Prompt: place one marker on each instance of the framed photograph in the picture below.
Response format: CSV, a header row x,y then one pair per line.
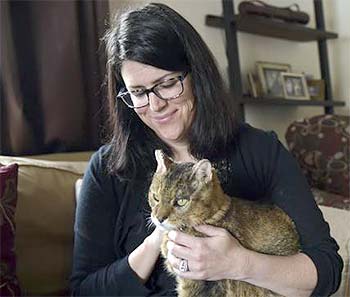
x,y
270,77
294,86
316,88
253,85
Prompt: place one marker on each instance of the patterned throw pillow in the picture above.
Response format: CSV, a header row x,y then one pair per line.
x,y
321,144
331,199
8,200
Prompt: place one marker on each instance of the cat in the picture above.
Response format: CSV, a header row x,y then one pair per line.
x,y
184,195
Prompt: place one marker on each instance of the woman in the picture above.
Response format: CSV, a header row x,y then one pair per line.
x,y
166,92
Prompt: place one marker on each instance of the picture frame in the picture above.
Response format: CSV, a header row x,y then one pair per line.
x,y
316,88
294,86
269,74
253,85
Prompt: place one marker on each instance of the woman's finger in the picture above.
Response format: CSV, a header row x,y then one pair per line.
x,y
182,238
176,263
180,251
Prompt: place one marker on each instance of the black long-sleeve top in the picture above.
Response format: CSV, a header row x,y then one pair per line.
x,y
111,217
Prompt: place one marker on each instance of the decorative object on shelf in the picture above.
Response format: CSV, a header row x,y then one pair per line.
x,y
233,23
294,86
270,77
254,85
290,13
316,88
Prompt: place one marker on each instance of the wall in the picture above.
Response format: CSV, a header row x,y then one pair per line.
x,y
302,56
338,20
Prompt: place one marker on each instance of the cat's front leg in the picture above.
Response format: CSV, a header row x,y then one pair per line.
x,y
164,251
163,246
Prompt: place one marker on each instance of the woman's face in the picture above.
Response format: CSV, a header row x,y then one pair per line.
x,y
169,119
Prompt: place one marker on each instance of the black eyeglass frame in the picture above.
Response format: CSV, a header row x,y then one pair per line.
x,y
181,78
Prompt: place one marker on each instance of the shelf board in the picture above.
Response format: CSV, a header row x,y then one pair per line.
x,y
272,28
295,102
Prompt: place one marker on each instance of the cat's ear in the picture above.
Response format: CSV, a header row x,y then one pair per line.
x,y
163,162
202,171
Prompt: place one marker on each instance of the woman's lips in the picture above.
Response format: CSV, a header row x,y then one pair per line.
x,y
162,119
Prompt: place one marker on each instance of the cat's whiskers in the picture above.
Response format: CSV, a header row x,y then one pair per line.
x,y
149,223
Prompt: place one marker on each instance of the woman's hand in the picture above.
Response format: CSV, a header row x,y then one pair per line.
x,y
154,240
217,256
144,257
221,256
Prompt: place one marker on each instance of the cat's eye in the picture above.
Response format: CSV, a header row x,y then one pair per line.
x,y
181,202
155,198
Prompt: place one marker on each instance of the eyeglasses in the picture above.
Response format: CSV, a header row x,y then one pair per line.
x,y
167,89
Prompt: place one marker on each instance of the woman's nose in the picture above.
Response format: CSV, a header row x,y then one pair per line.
x,y
155,103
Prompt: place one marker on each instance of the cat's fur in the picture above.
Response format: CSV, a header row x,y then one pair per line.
x,y
262,228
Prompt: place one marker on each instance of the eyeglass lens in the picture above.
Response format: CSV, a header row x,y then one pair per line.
x,y
169,89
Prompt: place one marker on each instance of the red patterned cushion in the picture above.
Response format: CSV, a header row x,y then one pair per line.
x,y
321,145
8,200
330,199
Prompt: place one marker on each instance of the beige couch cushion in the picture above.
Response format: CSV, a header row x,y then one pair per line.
x,y
45,218
339,220
66,157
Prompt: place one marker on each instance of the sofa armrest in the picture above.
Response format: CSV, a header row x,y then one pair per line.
x,y
44,218
338,220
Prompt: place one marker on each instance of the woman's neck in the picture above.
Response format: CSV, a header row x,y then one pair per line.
x,y
183,157
181,152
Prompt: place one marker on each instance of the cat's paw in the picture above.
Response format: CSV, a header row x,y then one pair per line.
x,y
164,251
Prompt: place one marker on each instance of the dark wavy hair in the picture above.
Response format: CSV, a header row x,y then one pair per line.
x,y
157,35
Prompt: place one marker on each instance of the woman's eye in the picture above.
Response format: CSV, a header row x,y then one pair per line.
x,y
137,93
181,202
168,84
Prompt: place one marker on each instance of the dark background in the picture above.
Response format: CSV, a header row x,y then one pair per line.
x,y
52,70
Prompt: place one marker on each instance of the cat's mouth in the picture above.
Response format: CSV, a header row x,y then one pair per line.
x,y
164,226
169,227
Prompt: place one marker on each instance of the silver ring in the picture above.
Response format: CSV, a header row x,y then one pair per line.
x,y
183,267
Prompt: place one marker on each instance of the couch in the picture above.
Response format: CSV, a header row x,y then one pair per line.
x,y
44,219
321,145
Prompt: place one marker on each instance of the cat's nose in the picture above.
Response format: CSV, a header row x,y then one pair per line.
x,y
161,220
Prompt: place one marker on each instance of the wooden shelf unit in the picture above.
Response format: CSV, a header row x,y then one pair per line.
x,y
232,23
292,102
272,28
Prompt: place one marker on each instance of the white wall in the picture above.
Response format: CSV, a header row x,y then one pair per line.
x,y
302,56
338,20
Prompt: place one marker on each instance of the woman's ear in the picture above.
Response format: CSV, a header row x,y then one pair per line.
x,y
163,162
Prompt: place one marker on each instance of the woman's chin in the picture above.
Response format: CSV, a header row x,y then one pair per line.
x,y
171,137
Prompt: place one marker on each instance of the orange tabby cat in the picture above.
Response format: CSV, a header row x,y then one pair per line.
x,y
183,195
